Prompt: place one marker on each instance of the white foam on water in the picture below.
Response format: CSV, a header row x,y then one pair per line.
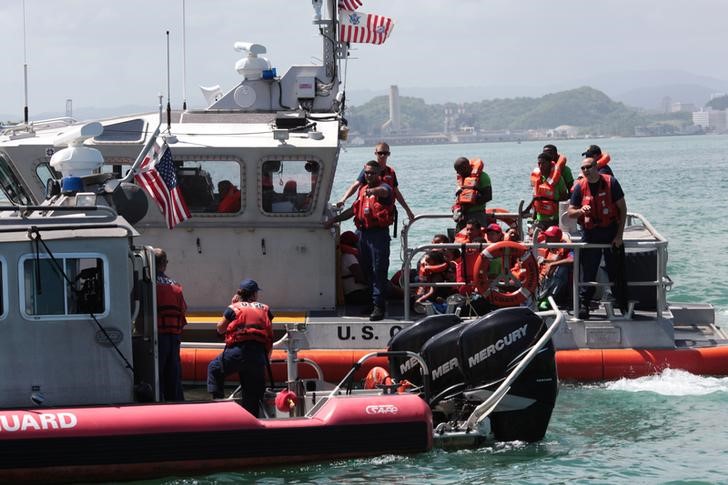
x,y
672,382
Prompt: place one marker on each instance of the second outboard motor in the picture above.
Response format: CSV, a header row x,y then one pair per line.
x,y
491,348
413,338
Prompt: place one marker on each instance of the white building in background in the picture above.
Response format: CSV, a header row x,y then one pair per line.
x,y
679,107
714,120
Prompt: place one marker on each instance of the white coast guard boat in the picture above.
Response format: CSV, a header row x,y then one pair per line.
x,y
79,390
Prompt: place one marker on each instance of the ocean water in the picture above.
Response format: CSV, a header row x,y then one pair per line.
x,y
668,428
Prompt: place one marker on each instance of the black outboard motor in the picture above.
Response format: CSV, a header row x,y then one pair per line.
x,y
491,347
413,338
468,361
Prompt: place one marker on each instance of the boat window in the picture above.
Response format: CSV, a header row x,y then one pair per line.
x,y
47,292
10,186
210,185
3,289
288,186
45,173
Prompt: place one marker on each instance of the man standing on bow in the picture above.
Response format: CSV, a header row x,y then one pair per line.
x,y
597,201
373,213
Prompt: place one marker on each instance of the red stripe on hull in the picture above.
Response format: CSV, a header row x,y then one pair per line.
x,y
579,365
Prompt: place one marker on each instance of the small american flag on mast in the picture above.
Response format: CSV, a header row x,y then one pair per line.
x,y
363,27
349,4
158,177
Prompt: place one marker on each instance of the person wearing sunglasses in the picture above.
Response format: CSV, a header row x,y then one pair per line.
x,y
597,201
373,213
388,176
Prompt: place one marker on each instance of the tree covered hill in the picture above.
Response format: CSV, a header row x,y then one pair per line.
x,y
587,108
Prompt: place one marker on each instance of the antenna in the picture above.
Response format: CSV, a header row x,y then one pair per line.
x,y
169,105
25,69
184,57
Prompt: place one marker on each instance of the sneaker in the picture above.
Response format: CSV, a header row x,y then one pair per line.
x,y
583,311
377,314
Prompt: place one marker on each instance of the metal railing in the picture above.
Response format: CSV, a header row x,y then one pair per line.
x,y
654,241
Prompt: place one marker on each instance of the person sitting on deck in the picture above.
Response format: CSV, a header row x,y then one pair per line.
x,y
555,269
353,281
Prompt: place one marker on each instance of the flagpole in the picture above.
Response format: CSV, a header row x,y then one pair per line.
x,y
142,154
169,105
184,57
25,69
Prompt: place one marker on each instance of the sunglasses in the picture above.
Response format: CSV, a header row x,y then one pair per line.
x,y
587,167
369,173
383,153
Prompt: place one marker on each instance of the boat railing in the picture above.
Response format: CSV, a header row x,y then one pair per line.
x,y
655,241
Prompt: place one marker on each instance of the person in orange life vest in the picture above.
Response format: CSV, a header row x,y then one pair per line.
x,y
555,267
548,189
373,213
248,330
566,172
229,197
171,309
434,269
602,160
388,176
471,233
474,191
598,202
353,281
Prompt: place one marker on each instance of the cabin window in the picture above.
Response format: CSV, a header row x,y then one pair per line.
x,y
288,186
45,173
68,285
3,288
131,131
211,185
10,188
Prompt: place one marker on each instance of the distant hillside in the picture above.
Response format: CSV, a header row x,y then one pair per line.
x,y
587,108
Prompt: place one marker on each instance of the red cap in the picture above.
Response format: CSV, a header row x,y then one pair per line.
x,y
553,231
494,227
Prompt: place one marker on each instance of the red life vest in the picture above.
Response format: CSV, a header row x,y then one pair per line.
x,y
469,194
171,308
251,323
603,209
369,213
388,176
547,255
231,201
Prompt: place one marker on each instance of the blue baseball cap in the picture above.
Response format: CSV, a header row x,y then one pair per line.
x,y
249,285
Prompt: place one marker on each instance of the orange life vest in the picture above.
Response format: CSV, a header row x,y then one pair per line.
x,y
547,255
388,176
251,323
604,211
544,190
469,194
231,201
171,308
370,213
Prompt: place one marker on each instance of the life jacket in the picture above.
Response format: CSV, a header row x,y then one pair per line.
x,y
231,201
251,323
546,255
603,209
468,186
369,213
544,190
536,172
426,270
464,270
346,249
388,176
171,308
462,236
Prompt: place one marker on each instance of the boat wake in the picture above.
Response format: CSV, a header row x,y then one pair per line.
x,y
672,382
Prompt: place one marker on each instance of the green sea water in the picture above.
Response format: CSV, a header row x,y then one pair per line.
x,y
669,428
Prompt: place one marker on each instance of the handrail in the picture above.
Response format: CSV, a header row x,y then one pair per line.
x,y
486,407
661,282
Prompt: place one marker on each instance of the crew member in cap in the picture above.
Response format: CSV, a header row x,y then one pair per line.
x,y
597,201
593,151
246,325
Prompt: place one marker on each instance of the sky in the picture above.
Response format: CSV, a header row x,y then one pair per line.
x,y
107,53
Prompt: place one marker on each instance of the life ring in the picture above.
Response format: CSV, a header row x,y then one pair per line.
x,y
523,275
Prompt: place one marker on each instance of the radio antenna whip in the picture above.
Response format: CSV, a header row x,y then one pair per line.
x,y
169,105
25,69
184,57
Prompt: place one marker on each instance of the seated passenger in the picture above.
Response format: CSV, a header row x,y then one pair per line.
x,y
353,281
555,269
471,233
434,269
229,197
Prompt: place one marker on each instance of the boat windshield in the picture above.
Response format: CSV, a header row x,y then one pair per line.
x,y
11,191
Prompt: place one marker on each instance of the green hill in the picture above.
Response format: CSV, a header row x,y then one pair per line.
x,y
589,109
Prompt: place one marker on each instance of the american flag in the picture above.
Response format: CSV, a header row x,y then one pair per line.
x,y
349,4
157,176
363,27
